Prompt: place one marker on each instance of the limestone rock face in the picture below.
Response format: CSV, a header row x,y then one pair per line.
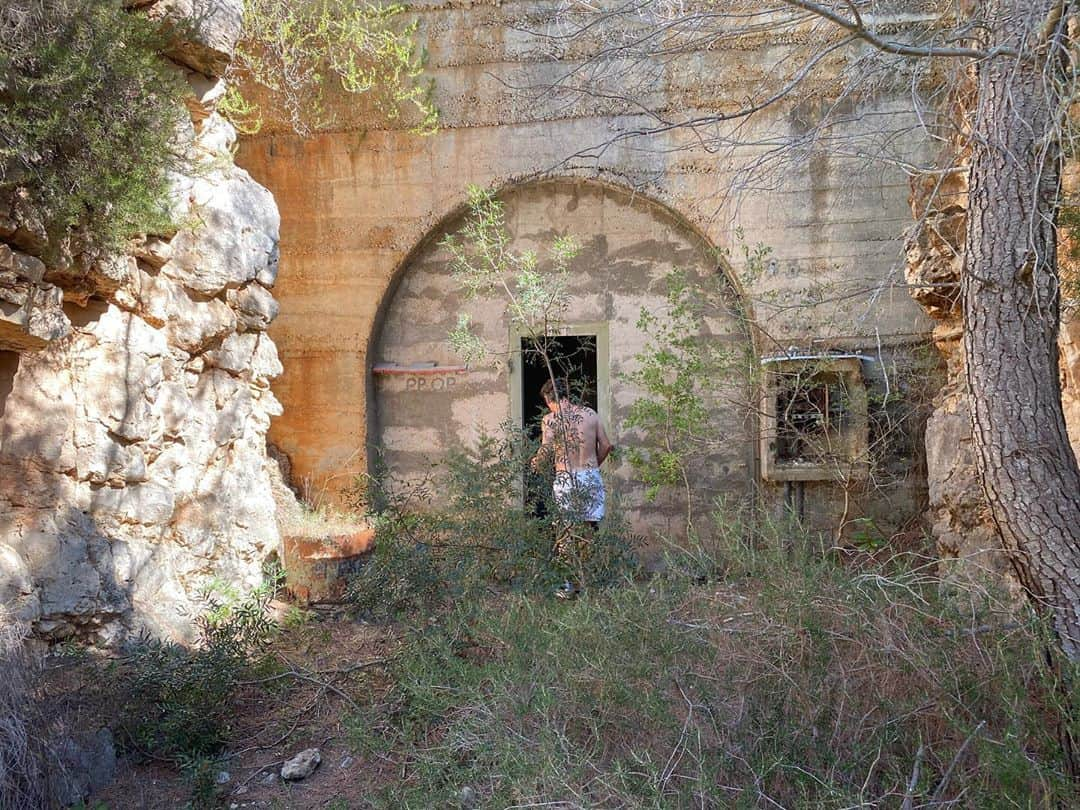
x,y
207,31
19,224
31,315
17,590
236,243
31,311
255,307
85,762
1069,343
135,400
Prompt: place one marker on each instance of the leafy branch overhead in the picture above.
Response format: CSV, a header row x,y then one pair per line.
x,y
535,290
91,109
292,56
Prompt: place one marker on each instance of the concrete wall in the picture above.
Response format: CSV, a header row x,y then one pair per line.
x,y
356,203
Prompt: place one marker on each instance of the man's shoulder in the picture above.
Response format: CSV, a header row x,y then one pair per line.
x,y
589,416
576,413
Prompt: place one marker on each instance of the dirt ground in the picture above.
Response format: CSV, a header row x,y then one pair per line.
x,y
274,721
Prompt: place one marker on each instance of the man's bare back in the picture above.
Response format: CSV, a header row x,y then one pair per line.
x,y
576,436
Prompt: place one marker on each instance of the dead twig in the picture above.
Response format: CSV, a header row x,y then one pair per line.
x,y
262,768
916,771
328,686
294,671
944,783
300,715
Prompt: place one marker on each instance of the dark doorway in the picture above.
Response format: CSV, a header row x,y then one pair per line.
x,y
572,357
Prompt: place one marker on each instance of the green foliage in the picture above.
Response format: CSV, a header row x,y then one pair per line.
x,y
679,373
822,686
534,291
89,106
178,703
463,529
401,575
294,52
200,772
88,110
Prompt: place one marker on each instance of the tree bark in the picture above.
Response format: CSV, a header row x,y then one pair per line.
x,y
1011,314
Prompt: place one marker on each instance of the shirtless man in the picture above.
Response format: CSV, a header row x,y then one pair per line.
x,y
576,438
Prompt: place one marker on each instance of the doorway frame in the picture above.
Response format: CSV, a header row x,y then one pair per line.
x,y
601,331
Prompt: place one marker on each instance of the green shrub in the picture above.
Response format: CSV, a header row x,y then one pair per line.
x,y
89,106
200,773
466,527
88,111
687,378
179,698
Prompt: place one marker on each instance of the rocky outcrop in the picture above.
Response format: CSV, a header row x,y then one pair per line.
x,y
1069,342
134,392
959,515
31,311
206,30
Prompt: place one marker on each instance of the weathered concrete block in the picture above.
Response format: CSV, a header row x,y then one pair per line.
x,y
318,568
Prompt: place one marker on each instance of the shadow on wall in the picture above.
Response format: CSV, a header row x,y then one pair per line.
x,y
9,365
422,402
56,566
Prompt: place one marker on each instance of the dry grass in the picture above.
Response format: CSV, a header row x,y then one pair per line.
x,y
325,522
745,676
296,517
787,681
22,772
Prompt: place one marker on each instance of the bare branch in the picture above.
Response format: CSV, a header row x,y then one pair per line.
x,y
860,31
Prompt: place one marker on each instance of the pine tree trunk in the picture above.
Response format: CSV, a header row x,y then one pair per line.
x,y
1011,311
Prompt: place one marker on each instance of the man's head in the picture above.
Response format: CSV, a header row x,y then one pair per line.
x,y
554,392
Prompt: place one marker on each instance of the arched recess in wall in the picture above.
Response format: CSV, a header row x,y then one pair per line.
x,y
422,402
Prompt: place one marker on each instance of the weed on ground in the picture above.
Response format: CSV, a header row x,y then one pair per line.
x,y
806,685
752,672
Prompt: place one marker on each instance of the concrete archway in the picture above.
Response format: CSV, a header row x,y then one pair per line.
x,y
421,402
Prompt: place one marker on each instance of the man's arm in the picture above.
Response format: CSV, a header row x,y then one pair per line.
x,y
603,444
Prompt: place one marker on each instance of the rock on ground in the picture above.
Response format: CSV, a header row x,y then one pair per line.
x,y
301,766
81,764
